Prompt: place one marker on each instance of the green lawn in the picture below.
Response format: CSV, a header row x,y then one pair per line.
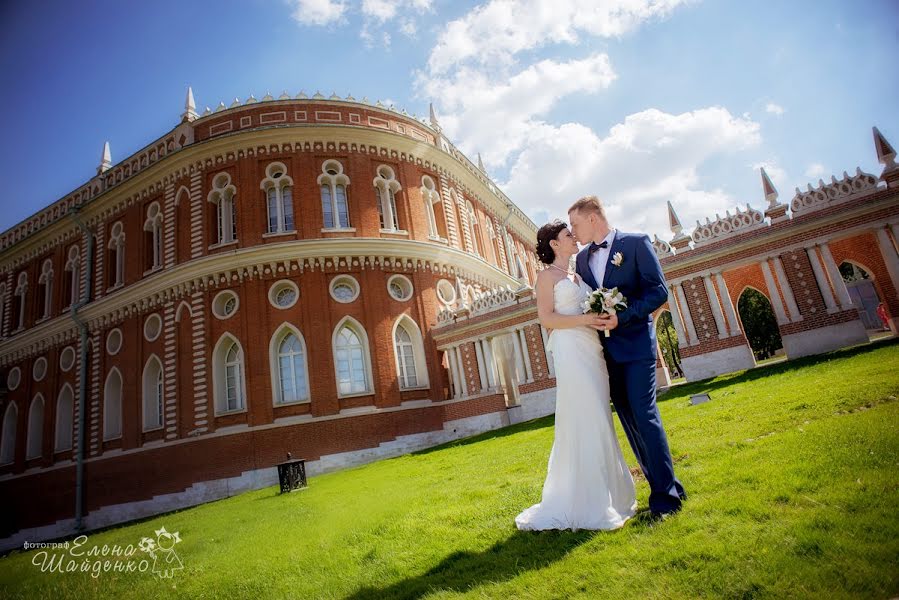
x,y
792,471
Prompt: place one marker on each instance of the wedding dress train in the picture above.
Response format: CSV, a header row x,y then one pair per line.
x,y
588,484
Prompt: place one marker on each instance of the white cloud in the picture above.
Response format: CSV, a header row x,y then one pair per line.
x,y
494,32
318,12
815,171
472,104
777,173
774,109
649,158
385,10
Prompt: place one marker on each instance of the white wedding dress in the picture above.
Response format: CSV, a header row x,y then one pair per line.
x,y
588,484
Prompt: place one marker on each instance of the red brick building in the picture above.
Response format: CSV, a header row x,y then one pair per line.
x,y
262,279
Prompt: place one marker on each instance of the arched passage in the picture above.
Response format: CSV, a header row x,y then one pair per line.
x,y
759,323
667,337
863,292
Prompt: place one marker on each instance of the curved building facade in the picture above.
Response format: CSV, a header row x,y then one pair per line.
x,y
262,279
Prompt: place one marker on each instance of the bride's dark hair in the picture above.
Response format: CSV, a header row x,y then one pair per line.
x,y
545,235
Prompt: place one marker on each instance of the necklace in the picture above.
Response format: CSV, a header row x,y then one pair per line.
x,y
566,271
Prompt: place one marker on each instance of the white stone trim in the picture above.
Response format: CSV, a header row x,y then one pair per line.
x,y
774,295
728,305
786,288
716,307
821,280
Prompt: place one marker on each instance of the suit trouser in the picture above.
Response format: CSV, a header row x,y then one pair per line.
x,y
633,391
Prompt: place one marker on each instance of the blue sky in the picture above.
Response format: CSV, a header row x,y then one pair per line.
x,y
638,101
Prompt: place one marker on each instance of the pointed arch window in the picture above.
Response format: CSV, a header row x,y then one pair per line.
x,y
386,188
333,185
222,196
278,188
45,280
20,294
290,371
8,441
152,394
112,406
474,231
153,229
73,277
35,439
431,197
228,373
116,248
3,299
411,369
351,359
65,406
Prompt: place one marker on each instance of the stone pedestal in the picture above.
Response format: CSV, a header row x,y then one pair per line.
x,y
717,362
824,339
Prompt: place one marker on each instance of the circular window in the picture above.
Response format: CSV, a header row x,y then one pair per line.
x,y
39,369
446,292
67,358
152,327
14,378
283,294
400,287
225,304
344,288
114,341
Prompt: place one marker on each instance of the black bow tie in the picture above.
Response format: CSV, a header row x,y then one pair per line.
x,y
594,246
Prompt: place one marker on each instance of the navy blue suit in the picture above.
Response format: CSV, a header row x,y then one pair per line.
x,y
630,352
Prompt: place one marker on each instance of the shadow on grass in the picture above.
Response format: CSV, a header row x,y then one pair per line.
x,y
749,375
462,571
531,425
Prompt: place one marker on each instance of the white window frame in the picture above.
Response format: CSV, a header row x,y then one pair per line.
x,y
222,196
277,184
220,369
357,328
153,224
152,395
333,182
386,187
416,345
302,396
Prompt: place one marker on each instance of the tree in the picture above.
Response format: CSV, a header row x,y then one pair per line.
x,y
667,337
759,324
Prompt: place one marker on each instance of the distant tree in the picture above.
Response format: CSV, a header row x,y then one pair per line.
x,y
759,324
667,337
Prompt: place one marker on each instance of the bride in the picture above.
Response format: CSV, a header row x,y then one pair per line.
x,y
588,484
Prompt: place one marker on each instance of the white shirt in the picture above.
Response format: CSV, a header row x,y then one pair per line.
x,y
599,259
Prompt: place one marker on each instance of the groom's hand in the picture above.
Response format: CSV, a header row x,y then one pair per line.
x,y
609,322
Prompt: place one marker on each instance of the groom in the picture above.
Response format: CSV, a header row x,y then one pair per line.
x,y
627,261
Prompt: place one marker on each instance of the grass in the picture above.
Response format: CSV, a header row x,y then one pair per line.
x,y
792,471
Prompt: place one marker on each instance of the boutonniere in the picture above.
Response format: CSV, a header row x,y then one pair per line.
x,y
617,259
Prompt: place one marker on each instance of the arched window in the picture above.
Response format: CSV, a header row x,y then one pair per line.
x,y
35,428
45,280
65,406
153,229
112,406
2,309
386,188
474,230
228,373
333,183
73,280
279,198
431,197
152,394
410,357
351,358
116,264
290,376
20,293
456,215
8,442
222,196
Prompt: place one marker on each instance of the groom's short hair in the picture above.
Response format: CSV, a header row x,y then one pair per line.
x,y
590,204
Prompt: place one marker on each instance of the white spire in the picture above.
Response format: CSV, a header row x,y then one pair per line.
x,y
481,164
673,222
106,161
190,107
768,188
433,117
885,153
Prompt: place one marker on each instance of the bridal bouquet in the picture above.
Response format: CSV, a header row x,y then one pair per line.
x,y
605,301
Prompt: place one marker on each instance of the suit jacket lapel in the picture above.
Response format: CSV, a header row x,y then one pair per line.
x,y
616,243
583,259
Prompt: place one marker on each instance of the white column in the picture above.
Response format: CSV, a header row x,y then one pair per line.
x,y
776,304
836,279
728,305
786,289
519,361
829,302
675,318
492,375
482,370
688,318
890,258
461,369
895,229
550,367
451,371
526,355
716,306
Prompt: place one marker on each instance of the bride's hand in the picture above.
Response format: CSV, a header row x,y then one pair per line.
x,y
595,321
